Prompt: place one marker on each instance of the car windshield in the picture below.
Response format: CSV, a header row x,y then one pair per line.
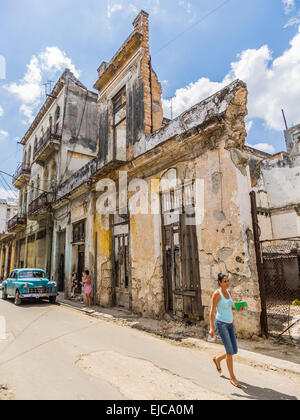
x,y
31,274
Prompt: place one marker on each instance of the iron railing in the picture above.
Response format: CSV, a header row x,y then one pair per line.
x,y
16,220
50,134
42,202
23,168
281,268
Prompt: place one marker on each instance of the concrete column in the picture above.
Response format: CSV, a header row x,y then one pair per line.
x,y
49,239
90,242
6,260
1,261
13,254
26,252
68,259
54,255
17,254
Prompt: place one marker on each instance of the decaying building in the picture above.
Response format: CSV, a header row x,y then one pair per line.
x,y
8,209
155,209
276,181
60,140
155,259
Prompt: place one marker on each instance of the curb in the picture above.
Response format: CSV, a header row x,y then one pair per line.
x,y
245,357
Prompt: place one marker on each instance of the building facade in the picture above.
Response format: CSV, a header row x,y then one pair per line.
x,y
8,210
61,139
154,209
125,223
276,180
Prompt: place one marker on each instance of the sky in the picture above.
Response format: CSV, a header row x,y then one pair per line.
x,y
197,48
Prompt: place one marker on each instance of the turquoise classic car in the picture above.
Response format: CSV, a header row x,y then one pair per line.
x,y
29,283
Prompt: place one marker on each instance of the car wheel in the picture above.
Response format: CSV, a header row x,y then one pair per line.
x,y
18,300
4,295
52,299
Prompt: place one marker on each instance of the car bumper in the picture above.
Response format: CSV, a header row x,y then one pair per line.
x,y
37,295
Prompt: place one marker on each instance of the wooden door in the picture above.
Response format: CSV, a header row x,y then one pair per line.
x,y
191,290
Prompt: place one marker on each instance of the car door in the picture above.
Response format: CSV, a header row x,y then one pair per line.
x,y
9,283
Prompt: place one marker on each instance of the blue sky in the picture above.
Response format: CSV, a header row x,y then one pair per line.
x,y
257,40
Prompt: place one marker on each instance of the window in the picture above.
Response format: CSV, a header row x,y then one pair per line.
x,y
57,120
32,275
29,156
79,232
119,125
50,124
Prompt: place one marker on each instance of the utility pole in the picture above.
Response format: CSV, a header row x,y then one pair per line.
x,y
284,118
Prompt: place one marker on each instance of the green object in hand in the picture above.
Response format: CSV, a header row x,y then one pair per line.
x,y
239,305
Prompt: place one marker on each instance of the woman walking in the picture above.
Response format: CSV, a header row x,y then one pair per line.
x,y
88,288
222,322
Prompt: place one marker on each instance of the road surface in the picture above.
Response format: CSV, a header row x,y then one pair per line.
x,y
53,353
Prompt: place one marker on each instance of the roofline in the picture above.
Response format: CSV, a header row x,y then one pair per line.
x,y
51,99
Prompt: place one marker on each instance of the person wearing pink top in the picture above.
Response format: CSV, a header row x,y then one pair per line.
x,y
88,288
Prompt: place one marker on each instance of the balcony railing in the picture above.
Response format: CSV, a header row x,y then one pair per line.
x,y
16,221
22,172
40,203
50,134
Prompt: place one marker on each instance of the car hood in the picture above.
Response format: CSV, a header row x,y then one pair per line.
x,y
35,282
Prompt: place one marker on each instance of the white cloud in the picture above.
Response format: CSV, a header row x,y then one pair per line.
x,y
29,90
264,147
186,5
3,135
112,8
273,84
249,126
293,21
1,111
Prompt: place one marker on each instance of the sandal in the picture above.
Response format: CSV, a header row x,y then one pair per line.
x,y
235,384
218,368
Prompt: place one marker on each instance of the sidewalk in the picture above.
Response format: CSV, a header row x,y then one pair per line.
x,y
265,354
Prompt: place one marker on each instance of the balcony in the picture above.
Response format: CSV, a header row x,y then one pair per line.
x,y
22,175
49,143
40,208
16,224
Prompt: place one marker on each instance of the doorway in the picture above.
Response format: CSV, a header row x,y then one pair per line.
x,y
61,254
181,264
80,267
121,255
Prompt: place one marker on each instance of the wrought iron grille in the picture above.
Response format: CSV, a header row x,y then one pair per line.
x,y
281,266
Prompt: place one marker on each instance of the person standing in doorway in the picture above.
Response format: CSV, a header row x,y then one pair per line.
x,y
88,288
221,321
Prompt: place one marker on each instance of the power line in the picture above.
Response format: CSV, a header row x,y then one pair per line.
x,y
11,176
192,26
6,188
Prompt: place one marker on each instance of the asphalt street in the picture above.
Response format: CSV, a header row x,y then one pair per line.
x,y
54,353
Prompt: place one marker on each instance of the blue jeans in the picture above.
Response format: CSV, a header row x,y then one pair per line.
x,y
228,337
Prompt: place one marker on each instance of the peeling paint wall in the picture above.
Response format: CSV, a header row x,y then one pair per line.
x,y
204,143
277,184
131,69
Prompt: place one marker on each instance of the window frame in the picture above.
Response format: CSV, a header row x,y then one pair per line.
x,y
115,110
